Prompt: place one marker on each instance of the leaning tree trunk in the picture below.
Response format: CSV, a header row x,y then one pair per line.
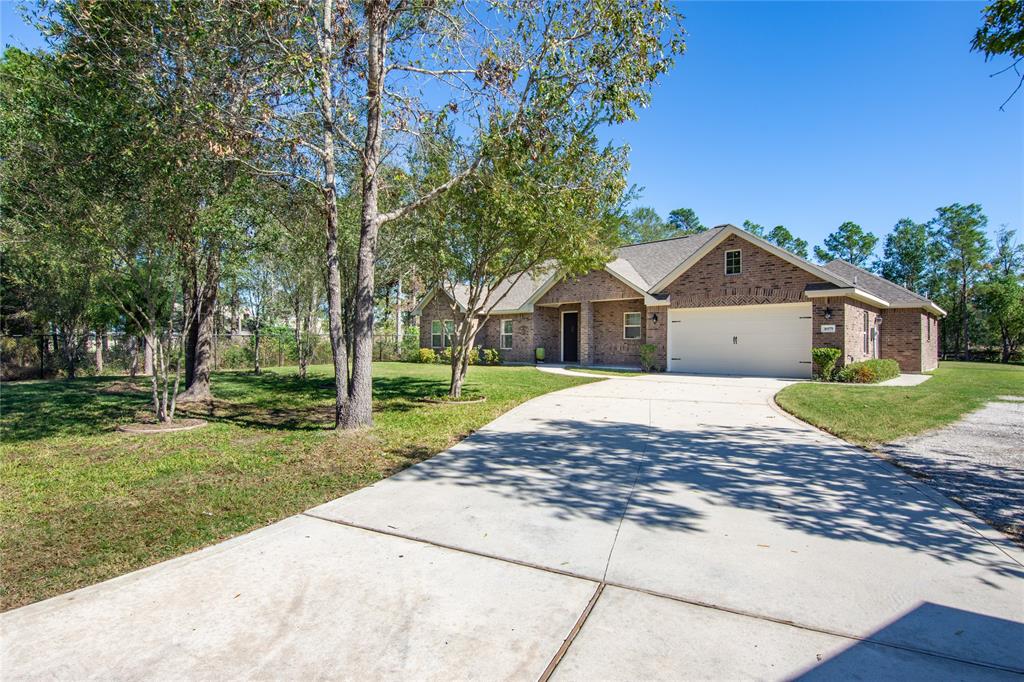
x,y
360,408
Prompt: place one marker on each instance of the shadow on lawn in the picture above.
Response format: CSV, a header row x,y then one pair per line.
x,y
588,470
94,405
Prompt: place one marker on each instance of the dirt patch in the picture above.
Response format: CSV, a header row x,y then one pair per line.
x,y
142,428
449,401
978,461
120,388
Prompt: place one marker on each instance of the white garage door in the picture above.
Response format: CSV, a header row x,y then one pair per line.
x,y
753,340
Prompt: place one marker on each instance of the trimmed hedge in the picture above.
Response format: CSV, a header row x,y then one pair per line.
x,y
426,356
868,372
825,360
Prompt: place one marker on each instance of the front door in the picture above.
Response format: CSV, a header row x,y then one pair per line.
x,y
570,337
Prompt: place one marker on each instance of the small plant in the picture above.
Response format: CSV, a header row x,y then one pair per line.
x,y
474,356
825,360
425,356
445,356
490,356
647,352
868,372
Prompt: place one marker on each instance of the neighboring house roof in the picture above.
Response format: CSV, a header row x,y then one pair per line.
x,y
897,296
649,267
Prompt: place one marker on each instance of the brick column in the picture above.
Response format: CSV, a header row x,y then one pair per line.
x,y
586,333
657,334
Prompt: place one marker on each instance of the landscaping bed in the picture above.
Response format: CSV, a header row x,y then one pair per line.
x,y
82,502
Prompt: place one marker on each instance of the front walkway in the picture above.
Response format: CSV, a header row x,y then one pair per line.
x,y
653,527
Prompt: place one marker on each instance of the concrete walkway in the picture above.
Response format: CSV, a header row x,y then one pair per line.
x,y
660,527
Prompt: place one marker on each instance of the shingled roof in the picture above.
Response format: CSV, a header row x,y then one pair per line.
x,y
897,296
646,264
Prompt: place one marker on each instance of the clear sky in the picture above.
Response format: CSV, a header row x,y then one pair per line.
x,y
808,114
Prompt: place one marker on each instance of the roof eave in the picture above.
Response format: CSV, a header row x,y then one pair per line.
x,y
849,292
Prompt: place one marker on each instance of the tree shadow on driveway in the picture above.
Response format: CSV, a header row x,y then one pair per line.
x,y
578,469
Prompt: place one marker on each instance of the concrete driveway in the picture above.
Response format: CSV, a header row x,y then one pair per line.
x,y
662,527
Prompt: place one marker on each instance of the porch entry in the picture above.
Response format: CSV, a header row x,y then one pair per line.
x,y
570,336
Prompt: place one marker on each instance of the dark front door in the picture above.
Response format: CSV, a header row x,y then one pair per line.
x,y
571,337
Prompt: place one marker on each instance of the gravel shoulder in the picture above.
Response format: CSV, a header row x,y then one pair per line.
x,y
978,461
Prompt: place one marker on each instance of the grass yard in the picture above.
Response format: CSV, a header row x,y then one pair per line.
x,y
871,415
82,503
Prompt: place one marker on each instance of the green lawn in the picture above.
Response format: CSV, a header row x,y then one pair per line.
x,y
868,416
82,503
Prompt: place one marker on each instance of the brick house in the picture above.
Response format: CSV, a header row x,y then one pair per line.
x,y
723,301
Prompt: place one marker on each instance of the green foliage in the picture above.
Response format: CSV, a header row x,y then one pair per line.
x,y
647,351
825,360
426,356
778,235
849,243
1002,33
643,224
868,372
685,222
905,256
490,356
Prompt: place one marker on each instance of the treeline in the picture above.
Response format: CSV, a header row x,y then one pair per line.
x,y
948,259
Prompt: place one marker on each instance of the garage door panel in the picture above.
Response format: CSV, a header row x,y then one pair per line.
x,y
759,340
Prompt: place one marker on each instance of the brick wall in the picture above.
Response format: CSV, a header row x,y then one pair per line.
x,y
596,285
439,308
765,278
547,329
836,339
522,337
657,334
905,339
854,331
609,346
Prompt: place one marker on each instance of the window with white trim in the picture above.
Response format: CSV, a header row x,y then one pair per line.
x,y
505,342
631,323
449,332
435,333
733,262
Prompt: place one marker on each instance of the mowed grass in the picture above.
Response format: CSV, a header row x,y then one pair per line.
x,y
82,503
872,415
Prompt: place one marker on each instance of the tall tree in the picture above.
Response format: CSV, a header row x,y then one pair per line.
x,y
1002,33
850,243
778,235
643,224
1000,296
960,232
905,256
685,222
530,210
783,238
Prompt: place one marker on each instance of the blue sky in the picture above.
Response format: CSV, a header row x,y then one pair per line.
x,y
808,114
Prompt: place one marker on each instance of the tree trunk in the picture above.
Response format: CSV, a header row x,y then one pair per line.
x,y
147,361
338,350
964,350
398,320
360,408
197,386
98,352
256,349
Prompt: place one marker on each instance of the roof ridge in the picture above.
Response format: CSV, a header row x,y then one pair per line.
x,y
670,239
